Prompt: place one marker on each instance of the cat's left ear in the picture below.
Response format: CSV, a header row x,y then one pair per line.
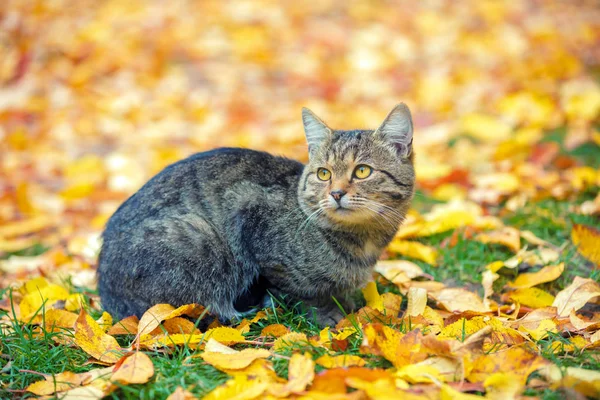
x,y
397,130
315,129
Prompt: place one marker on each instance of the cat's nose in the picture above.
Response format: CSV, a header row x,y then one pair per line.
x,y
337,194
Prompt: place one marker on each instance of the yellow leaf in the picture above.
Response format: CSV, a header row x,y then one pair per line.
x,y
180,325
55,383
545,326
275,330
55,318
181,394
458,299
391,303
447,393
36,297
92,339
507,236
137,368
582,380
487,281
398,271
531,297
463,328
289,340
300,372
238,388
25,227
372,296
415,250
259,315
233,360
417,301
485,127
160,312
225,335
546,274
515,360
171,340
341,361
418,373
105,321
503,386
587,240
576,295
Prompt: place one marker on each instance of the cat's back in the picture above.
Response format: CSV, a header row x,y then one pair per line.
x,y
202,180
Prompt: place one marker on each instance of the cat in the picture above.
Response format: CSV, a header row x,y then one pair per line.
x,y
229,228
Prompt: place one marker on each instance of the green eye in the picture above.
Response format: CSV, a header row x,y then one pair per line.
x,y
323,174
362,171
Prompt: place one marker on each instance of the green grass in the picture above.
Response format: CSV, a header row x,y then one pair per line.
x,y
28,348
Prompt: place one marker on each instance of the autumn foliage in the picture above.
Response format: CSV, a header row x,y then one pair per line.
x,y
96,97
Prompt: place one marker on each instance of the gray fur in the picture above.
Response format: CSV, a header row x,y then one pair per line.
x,y
221,228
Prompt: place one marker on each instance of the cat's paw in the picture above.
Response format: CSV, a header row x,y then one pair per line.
x,y
329,317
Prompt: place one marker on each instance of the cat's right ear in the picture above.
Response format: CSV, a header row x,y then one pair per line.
x,y
315,129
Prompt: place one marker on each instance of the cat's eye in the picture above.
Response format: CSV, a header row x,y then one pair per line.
x,y
362,171
323,174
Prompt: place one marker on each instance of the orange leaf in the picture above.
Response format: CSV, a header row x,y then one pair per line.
x,y
126,326
137,368
92,339
238,388
275,330
55,318
160,312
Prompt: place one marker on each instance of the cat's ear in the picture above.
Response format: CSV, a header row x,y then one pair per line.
x,y
315,129
397,130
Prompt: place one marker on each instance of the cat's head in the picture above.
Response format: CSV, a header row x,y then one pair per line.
x,y
359,178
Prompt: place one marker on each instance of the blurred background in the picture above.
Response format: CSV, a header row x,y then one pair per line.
x,y
98,96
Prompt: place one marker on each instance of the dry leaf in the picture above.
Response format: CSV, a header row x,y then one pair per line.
x,y
160,312
225,335
457,299
576,295
275,330
289,340
417,301
531,297
238,388
507,236
181,394
127,326
136,368
530,279
224,359
415,250
587,240
398,271
341,361
372,296
55,383
92,339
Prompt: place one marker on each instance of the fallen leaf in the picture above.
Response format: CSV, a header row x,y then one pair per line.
x,y
531,297
515,360
127,326
458,299
398,271
507,236
372,296
55,318
275,330
415,250
181,394
530,279
137,368
576,295
587,240
232,360
417,301
300,375
341,361
238,388
225,335
289,340
503,386
92,339
582,380
55,383
160,312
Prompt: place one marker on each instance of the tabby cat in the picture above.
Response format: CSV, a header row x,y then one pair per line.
x,y
231,227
